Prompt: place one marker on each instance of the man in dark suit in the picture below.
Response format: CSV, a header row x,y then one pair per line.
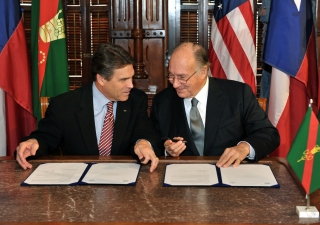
x,y
74,121
232,124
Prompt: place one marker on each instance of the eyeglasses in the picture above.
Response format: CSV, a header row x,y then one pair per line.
x,y
180,78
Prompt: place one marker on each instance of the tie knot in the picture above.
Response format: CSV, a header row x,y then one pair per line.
x,y
110,106
194,102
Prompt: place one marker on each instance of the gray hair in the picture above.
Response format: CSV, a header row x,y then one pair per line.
x,y
199,53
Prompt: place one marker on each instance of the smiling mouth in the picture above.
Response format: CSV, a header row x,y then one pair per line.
x,y
179,89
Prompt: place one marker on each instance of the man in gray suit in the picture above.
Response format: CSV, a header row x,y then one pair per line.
x,y
74,121
232,124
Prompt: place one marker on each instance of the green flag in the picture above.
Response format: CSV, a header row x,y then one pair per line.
x,y
49,52
304,155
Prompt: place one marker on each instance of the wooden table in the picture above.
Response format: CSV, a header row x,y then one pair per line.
x,y
148,201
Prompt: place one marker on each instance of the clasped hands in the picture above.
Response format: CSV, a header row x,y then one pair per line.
x,y
233,155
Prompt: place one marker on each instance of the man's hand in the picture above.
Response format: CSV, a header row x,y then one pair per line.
x,y
24,150
234,155
175,148
145,153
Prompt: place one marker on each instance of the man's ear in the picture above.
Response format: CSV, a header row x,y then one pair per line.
x,y
204,72
100,79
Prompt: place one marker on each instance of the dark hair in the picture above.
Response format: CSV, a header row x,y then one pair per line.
x,y
199,53
107,58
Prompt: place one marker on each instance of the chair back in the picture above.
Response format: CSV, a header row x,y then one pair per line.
x,y
263,103
44,101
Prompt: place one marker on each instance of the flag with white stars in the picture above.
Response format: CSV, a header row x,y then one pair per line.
x,y
290,48
232,49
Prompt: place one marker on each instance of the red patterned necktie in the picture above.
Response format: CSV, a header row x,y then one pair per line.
x,y
105,142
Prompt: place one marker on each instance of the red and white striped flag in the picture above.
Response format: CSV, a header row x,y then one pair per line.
x,y
290,48
232,50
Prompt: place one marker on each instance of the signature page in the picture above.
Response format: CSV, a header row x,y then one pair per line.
x,y
190,175
112,173
56,174
252,175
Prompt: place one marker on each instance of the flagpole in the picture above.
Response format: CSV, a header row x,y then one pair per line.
x,y
316,28
308,195
316,14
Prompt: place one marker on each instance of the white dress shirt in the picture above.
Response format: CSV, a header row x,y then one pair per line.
x,y
202,97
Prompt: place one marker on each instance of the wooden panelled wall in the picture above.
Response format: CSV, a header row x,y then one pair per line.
x,y
140,27
148,29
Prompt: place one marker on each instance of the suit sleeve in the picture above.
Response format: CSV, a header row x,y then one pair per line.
x,y
259,131
156,125
49,131
143,127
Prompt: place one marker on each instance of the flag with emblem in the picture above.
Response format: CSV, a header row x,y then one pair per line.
x,y
232,51
16,115
304,155
49,52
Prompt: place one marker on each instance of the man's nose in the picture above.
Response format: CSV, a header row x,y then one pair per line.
x,y
130,83
176,83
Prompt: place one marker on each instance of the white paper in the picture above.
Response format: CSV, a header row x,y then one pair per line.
x,y
191,175
248,175
112,173
56,174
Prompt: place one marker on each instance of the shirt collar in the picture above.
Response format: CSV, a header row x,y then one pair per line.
x,y
99,100
202,95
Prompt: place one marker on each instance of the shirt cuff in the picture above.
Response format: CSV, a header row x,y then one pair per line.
x,y
252,152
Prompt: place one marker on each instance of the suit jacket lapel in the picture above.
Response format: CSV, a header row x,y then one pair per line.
x,y
182,128
215,105
86,121
121,123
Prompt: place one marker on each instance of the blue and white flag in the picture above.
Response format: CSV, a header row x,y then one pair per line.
x,y
290,50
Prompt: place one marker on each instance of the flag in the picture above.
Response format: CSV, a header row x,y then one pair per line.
x,y
291,51
16,115
304,155
232,51
3,136
49,52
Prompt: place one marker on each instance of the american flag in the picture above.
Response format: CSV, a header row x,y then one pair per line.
x,y
232,51
290,49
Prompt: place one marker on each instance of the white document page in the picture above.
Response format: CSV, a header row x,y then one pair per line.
x,y
248,175
112,173
191,175
56,174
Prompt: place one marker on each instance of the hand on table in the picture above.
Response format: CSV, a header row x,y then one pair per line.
x,y
234,155
24,150
145,153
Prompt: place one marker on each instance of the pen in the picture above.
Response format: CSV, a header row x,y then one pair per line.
x,y
142,159
173,140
